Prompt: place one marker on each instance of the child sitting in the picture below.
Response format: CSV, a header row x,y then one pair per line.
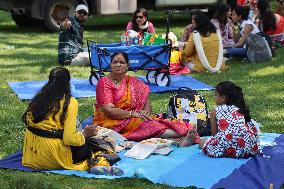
x,y
234,134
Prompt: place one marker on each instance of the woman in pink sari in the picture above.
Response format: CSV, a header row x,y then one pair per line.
x,y
122,104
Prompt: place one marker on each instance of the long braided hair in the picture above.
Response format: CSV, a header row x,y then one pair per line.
x,y
47,100
234,96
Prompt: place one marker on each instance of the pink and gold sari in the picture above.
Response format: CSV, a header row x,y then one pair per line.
x,y
132,94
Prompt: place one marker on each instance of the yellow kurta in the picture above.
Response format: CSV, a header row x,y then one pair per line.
x,y
211,49
50,153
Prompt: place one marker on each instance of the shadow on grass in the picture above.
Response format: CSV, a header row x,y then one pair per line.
x,y
44,63
18,30
38,46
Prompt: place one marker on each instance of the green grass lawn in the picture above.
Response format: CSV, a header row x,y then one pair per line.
x,y
30,53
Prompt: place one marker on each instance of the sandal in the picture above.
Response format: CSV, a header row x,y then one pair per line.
x,y
106,170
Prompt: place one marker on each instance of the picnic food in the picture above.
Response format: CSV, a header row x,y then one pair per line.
x,y
161,143
154,141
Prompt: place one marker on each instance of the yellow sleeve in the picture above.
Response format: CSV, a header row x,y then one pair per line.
x,y
189,49
71,136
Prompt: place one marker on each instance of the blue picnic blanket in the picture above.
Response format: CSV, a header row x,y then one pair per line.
x,y
185,167
82,88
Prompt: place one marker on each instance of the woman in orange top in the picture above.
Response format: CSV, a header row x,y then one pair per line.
x,y
270,23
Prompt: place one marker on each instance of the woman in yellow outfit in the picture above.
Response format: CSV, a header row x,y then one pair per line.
x,y
51,140
204,48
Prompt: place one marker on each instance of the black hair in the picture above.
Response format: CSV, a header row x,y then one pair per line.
x,y
242,11
203,24
263,5
234,96
266,16
125,56
221,14
47,100
232,3
135,26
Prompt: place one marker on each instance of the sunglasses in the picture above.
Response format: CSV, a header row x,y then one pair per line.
x,y
118,62
140,17
84,13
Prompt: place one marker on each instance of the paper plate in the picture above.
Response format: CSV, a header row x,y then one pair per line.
x,y
159,142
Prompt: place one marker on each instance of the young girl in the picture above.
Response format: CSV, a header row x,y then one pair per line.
x,y
234,135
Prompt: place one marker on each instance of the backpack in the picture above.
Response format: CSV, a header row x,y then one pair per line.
x,y
259,47
269,42
190,106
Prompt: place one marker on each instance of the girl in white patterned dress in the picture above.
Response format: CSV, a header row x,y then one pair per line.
x,y
233,133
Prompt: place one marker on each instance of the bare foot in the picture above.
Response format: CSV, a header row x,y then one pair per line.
x,y
188,139
175,141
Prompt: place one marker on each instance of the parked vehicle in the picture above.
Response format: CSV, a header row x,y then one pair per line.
x,y
52,12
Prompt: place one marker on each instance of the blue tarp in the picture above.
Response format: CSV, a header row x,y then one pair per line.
x,y
185,167
82,88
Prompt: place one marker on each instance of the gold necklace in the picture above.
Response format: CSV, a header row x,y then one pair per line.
x,y
114,80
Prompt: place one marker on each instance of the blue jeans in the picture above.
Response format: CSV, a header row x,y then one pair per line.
x,y
236,52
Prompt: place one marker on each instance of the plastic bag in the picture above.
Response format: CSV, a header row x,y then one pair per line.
x,y
131,37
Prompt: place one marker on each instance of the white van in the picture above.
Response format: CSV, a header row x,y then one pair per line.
x,y
52,12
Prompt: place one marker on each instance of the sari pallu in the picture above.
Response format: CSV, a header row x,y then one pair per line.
x,y
132,94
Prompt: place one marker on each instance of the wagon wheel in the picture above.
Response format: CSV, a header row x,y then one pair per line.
x,y
163,79
151,76
95,77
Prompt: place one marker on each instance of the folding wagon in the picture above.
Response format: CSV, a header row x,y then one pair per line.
x,y
154,58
